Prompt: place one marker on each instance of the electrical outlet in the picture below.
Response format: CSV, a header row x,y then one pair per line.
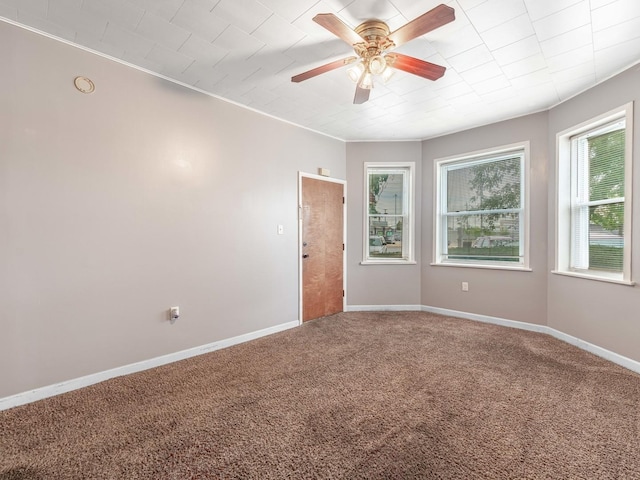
x,y
174,314
465,286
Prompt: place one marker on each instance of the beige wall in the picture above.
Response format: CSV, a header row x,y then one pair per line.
x,y
601,313
513,295
117,205
379,284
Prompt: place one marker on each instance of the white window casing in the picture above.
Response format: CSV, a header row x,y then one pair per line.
x,y
588,203
481,217
389,213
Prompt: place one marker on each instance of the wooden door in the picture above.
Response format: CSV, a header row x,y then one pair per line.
x,y
322,248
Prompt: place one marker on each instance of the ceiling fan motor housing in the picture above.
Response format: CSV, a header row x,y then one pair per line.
x,y
375,34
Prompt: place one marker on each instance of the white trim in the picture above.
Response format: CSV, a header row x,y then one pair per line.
x,y
389,262
322,178
598,278
439,191
76,383
532,327
485,152
409,202
344,140
169,79
384,308
616,358
497,266
564,165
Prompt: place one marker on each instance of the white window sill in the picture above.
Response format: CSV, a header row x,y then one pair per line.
x,y
389,262
594,277
515,268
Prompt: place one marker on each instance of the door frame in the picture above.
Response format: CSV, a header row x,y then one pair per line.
x,y
302,175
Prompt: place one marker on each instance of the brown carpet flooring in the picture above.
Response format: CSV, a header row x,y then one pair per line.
x,y
356,395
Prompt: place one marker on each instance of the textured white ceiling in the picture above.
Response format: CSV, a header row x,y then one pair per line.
x,y
504,58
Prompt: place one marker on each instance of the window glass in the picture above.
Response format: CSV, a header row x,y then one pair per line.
x,y
594,198
481,209
389,213
597,206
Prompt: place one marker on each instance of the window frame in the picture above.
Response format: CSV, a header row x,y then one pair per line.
x,y
408,238
482,156
566,163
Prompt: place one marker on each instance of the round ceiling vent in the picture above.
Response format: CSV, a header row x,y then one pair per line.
x,y
84,85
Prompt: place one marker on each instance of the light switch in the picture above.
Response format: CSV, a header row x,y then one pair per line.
x,y
280,229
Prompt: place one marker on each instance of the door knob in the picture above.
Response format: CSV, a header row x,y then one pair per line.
x,y
306,255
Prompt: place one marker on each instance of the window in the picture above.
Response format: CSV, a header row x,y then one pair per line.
x,y
389,218
481,214
594,198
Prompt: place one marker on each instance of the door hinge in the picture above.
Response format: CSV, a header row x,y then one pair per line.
x,y
343,293
343,200
343,247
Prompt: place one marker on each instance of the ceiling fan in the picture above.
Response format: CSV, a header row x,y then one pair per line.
x,y
371,41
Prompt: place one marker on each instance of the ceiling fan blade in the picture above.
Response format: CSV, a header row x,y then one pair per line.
x,y
434,18
416,66
323,69
361,96
338,28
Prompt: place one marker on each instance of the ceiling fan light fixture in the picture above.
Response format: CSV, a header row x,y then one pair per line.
x,y
377,64
355,72
366,81
387,74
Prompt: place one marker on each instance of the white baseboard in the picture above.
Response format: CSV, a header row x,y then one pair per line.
x,y
533,327
76,383
576,342
614,357
383,308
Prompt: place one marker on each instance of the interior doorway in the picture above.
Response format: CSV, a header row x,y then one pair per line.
x,y
322,246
